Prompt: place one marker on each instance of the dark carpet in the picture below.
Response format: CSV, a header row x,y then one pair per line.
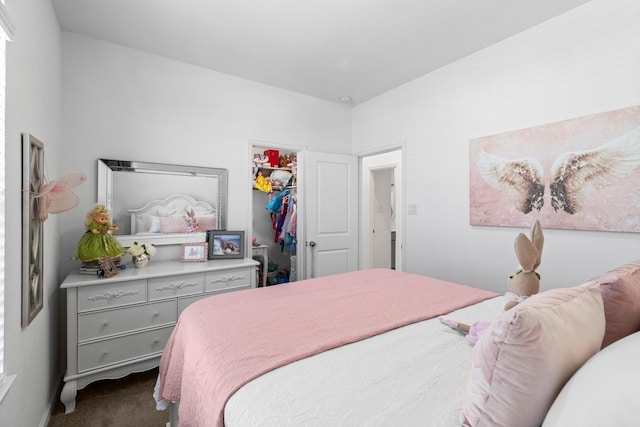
x,y
126,402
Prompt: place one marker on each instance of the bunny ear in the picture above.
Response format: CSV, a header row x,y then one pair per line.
x,y
537,238
527,254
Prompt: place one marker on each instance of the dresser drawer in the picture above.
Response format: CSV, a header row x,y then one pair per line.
x,y
172,286
111,295
224,279
108,352
110,322
185,302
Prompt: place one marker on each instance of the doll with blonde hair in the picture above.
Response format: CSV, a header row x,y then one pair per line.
x,y
97,242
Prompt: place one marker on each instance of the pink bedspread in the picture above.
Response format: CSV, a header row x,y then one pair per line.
x,y
222,342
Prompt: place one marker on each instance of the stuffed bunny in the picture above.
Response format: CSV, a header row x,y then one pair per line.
x,y
526,281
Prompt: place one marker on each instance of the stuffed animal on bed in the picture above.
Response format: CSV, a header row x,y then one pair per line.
x,y
524,283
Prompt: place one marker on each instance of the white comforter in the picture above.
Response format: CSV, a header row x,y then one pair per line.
x,y
411,376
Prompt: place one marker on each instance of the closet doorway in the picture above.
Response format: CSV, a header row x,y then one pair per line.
x,y
274,175
324,193
381,221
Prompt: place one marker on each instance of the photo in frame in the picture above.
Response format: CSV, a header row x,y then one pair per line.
x,y
107,267
33,181
225,244
193,252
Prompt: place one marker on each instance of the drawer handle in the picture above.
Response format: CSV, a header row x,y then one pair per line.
x,y
105,324
112,295
174,287
105,353
228,278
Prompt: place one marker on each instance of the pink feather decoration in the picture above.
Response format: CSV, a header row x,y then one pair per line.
x,y
58,196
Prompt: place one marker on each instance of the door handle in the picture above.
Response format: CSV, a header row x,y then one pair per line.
x,y
312,245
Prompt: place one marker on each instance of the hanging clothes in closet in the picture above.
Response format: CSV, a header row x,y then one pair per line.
x,y
275,207
283,209
287,236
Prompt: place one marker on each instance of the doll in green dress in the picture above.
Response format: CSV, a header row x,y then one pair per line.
x,y
97,242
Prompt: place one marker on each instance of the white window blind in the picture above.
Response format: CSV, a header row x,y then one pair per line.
x,y
7,29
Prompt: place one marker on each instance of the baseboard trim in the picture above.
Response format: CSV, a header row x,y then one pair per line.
x,y
44,421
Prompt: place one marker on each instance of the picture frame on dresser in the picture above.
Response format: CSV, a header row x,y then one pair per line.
x,y
193,252
107,267
33,182
225,244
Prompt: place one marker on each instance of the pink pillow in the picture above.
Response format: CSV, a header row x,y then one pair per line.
x,y
207,223
621,296
520,364
173,224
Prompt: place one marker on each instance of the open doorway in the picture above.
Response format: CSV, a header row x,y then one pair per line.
x,y
381,213
273,187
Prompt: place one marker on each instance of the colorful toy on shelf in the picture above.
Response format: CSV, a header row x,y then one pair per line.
x,y
262,183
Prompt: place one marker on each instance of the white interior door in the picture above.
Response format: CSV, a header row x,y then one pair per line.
x,y
330,199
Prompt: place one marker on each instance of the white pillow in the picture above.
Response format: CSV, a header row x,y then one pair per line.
x,y
154,224
603,392
142,223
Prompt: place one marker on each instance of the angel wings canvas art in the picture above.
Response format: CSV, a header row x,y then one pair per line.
x,y
582,173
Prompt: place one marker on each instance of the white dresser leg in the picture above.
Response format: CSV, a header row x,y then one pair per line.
x,y
68,396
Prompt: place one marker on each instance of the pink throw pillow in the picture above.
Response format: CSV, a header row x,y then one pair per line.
x,y
207,223
520,364
173,224
621,296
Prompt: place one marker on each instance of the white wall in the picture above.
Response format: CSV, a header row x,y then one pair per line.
x,y
583,62
34,106
124,104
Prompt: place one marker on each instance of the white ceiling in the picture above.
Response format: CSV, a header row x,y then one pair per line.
x,y
323,48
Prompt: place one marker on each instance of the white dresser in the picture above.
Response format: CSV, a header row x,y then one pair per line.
x,y
120,325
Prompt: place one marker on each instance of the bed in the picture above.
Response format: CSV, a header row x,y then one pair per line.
x,y
367,348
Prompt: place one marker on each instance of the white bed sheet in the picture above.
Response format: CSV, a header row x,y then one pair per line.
x,y
411,376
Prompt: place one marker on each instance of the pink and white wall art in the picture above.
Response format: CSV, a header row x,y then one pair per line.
x,y
582,173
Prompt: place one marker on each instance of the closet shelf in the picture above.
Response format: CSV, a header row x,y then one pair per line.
x,y
269,168
279,188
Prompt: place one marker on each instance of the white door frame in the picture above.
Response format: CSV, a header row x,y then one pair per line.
x,y
391,158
